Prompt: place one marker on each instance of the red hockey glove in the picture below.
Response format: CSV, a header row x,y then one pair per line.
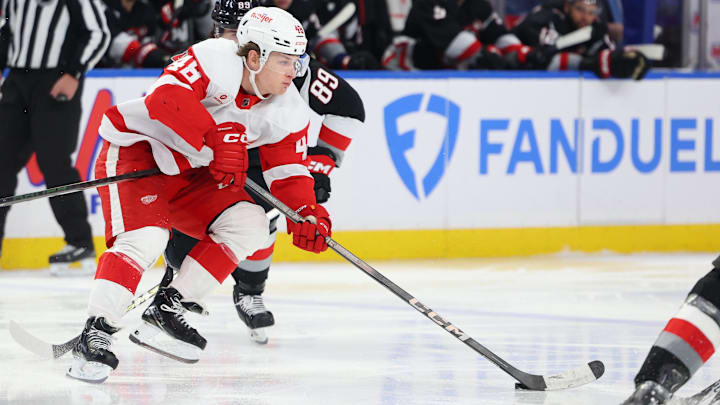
x,y
310,235
320,162
230,157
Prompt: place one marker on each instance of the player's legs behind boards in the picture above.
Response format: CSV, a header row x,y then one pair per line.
x,y
685,344
238,231
83,255
118,274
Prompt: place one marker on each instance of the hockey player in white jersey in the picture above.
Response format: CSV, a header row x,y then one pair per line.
x,y
341,107
195,124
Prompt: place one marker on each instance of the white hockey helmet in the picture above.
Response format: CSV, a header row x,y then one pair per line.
x,y
273,30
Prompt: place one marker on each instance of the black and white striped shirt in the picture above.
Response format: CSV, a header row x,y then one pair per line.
x,y
43,34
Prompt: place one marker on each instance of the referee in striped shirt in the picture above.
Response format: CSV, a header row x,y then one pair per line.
x,y
48,46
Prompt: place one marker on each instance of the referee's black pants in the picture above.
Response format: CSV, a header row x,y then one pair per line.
x,y
32,121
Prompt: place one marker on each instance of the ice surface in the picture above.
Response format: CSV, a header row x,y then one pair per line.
x,y
342,338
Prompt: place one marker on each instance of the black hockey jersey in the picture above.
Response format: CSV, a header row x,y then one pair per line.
x,y
436,25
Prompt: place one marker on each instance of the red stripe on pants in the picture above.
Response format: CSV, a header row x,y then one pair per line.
x,y
119,269
216,258
262,254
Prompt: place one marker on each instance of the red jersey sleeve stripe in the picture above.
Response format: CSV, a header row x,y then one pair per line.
x,y
564,60
325,42
117,120
469,51
334,139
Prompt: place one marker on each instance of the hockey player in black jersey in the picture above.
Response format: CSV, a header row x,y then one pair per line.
x,y
453,34
343,115
688,341
541,28
330,49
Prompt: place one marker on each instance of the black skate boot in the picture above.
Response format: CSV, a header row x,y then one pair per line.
x,y
164,329
649,393
93,359
252,311
60,262
670,378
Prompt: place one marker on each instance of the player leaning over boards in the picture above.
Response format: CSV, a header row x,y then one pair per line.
x,y
686,343
541,28
343,114
246,87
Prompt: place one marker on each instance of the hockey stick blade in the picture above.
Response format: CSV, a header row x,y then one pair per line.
x,y
38,347
54,351
569,379
340,18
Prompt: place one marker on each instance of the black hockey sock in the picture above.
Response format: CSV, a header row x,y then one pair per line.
x,y
664,368
251,282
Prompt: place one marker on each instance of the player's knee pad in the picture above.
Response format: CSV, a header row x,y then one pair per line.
x,y
143,245
243,228
708,287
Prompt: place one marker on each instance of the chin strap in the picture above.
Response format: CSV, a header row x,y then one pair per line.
x,y
252,79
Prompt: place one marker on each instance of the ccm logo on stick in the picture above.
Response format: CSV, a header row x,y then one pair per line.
x,y
438,319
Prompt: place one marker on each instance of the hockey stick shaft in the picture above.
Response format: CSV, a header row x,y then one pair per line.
x,y
75,187
527,381
651,51
574,38
339,19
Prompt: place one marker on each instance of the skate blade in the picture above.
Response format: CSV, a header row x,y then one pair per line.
x,y
87,267
89,371
258,336
156,340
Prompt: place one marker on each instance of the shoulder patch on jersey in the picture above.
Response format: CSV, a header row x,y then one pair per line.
x,y
218,58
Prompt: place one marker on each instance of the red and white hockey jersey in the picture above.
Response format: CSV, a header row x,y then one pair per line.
x,y
200,89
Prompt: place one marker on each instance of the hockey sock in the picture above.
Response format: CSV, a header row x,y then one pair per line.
x,y
689,339
115,283
251,282
207,265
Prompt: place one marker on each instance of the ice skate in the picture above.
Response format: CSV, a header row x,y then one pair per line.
x,y
164,329
253,313
93,359
649,393
60,262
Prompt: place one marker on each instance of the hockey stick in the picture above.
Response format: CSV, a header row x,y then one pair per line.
x,y
569,379
651,51
52,351
340,18
574,38
75,187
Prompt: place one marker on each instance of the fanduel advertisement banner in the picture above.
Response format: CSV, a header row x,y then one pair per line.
x,y
472,151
